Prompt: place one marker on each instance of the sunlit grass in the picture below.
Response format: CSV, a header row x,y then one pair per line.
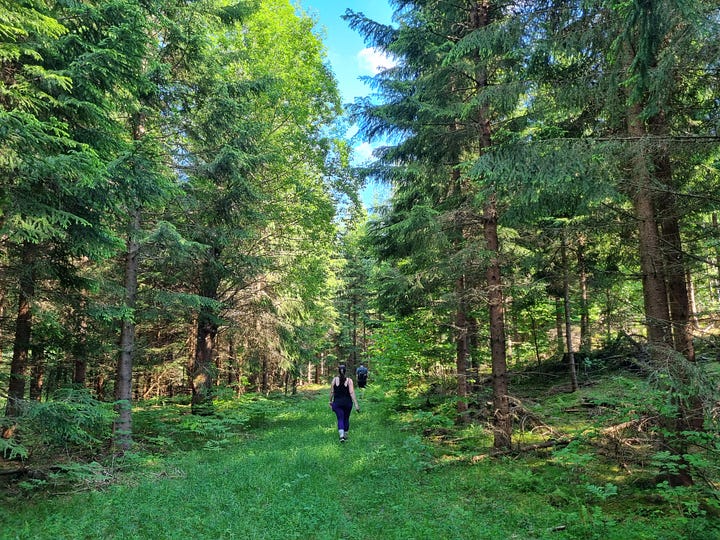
x,y
285,475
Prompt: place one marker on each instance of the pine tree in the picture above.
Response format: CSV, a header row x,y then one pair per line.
x,y
442,101
63,138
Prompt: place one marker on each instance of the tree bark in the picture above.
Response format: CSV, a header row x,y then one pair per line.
x,y
675,266
122,427
672,249
559,332
37,372
202,370
716,229
657,312
585,344
693,304
23,331
3,296
80,349
502,421
203,366
678,294
461,350
567,312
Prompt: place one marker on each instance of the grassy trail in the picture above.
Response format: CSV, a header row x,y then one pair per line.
x,y
293,479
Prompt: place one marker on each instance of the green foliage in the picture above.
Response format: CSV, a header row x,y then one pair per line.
x,y
169,427
387,481
71,421
430,421
602,492
419,453
407,346
687,502
233,102
11,448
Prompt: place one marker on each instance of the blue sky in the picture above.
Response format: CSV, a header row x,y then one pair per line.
x,y
351,58
346,48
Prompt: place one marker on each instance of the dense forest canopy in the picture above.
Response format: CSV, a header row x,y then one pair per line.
x,y
171,174
179,215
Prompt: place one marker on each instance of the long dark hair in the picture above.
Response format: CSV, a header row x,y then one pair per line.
x,y
341,371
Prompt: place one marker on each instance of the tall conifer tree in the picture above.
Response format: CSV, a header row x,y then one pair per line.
x,y
56,206
442,103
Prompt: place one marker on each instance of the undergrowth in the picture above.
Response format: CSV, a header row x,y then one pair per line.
x,y
609,443
272,467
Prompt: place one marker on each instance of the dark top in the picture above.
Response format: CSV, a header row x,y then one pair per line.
x,y
341,394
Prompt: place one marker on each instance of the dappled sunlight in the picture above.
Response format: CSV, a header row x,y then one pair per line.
x,y
387,481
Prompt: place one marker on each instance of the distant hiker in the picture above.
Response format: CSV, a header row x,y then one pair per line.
x,y
342,398
362,375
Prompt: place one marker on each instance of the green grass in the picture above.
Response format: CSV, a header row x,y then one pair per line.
x,y
290,478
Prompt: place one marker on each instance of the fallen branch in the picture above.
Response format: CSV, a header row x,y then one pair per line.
x,y
616,429
553,443
11,472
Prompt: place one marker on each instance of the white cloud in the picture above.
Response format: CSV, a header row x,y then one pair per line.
x,y
352,131
363,152
371,60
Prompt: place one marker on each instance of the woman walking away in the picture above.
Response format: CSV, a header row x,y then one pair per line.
x,y
342,398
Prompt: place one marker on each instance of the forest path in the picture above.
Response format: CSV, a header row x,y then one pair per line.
x,y
292,478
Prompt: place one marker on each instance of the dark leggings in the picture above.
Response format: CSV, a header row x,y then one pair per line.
x,y
342,411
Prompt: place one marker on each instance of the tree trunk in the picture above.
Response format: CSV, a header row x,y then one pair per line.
x,y
567,311
678,294
80,349
657,312
559,332
693,304
23,330
191,343
501,405
122,427
365,342
203,367
100,386
672,250
585,343
3,296
675,267
716,229
233,367
202,370
502,423
37,373
461,350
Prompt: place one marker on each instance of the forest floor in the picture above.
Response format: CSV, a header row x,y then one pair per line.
x,y
289,477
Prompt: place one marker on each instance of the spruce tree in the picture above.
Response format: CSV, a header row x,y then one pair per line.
x,y
443,105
